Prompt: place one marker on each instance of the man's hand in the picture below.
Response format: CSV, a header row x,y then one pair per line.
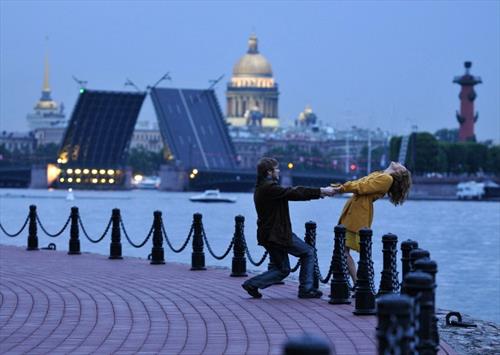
x,y
327,191
337,189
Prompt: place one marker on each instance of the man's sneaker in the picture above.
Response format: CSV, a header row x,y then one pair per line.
x,y
252,290
310,294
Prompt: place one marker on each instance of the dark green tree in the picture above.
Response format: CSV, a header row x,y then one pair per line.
x,y
493,160
447,135
145,162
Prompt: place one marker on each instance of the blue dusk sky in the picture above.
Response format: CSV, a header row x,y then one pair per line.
x,y
387,64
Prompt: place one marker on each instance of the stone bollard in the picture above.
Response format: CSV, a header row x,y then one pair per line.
x,y
389,282
395,330
74,233
406,246
115,248
430,267
310,239
239,267
198,256
416,254
306,345
32,232
365,293
420,286
339,286
157,252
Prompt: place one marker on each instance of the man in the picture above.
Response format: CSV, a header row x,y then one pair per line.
x,y
274,230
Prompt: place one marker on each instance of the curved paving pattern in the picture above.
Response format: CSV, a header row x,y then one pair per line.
x,y
52,303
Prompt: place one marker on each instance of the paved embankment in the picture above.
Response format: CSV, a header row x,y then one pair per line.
x,y
55,303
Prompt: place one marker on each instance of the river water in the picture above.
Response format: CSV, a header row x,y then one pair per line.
x,y
462,237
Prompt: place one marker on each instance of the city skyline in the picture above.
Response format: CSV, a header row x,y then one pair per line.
x,y
365,64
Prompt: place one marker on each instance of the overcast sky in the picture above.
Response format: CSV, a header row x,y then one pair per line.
x,y
371,64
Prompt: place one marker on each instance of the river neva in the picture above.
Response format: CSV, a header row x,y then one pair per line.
x,y
462,237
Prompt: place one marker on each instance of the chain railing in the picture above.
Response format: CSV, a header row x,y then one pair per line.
x,y
140,245
249,256
167,239
13,235
88,237
210,250
404,326
53,235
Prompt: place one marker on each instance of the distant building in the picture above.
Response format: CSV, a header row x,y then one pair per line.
x,y
18,142
47,113
307,118
49,135
147,136
252,94
341,150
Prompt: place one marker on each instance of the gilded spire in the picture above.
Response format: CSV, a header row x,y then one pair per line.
x,y
46,86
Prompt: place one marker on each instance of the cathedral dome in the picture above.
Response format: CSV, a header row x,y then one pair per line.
x,y
253,64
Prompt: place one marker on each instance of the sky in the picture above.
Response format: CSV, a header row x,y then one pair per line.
x,y
371,64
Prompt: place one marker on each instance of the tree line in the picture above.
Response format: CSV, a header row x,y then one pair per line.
x,y
427,154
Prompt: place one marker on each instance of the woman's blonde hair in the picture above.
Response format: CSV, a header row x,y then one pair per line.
x,y
398,192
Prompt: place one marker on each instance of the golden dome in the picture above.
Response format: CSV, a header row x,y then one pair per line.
x,y
252,64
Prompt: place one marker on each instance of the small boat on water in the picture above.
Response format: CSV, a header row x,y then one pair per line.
x,y
146,182
211,196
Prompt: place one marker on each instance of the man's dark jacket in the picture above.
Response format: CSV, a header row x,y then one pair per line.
x,y
273,217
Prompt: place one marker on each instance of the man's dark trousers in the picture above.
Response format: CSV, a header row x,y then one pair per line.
x,y
279,256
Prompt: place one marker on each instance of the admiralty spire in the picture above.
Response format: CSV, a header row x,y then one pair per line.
x,y
47,113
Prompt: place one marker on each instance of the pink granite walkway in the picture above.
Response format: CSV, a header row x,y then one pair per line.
x,y
54,303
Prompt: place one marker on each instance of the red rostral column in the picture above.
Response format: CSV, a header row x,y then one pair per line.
x,y
466,117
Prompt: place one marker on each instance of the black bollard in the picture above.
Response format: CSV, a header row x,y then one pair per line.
x,y
406,246
430,267
389,282
420,286
339,286
74,233
310,238
198,256
239,267
306,345
32,232
416,254
115,248
365,291
157,252
395,330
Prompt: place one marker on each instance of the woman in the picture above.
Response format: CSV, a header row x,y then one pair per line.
x,y
395,181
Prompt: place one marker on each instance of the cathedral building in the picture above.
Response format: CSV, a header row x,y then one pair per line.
x,y
252,94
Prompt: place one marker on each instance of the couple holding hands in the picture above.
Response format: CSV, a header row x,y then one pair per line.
x,y
274,228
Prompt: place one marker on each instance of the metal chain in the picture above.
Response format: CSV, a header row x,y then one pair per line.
x,y
12,235
170,244
130,241
98,239
210,248
247,252
55,234
296,267
318,272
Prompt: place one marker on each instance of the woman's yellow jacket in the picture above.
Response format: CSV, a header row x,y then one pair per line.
x,y
358,210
